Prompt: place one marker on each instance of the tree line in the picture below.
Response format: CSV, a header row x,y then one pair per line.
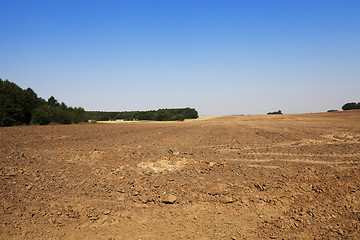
x,y
22,107
173,114
348,106
351,106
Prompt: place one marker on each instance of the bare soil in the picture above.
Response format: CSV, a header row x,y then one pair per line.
x,y
233,177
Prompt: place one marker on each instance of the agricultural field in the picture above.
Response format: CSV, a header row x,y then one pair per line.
x,y
231,177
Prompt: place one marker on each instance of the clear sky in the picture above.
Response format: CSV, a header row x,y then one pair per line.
x,y
219,56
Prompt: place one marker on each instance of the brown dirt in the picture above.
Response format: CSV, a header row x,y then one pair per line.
x,y
234,177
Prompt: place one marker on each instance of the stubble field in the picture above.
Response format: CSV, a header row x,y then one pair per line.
x,y
233,177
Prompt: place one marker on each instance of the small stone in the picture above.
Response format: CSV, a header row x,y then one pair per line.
x,y
143,199
260,187
341,232
11,173
169,199
227,199
212,164
136,193
94,217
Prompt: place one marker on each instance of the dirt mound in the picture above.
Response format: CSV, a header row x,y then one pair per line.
x,y
235,177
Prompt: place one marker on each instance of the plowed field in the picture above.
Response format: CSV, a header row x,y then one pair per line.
x,y
233,177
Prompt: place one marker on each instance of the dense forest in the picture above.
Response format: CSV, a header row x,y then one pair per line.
x,y
174,114
23,107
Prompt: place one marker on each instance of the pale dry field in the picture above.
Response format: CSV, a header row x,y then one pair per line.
x,y
186,120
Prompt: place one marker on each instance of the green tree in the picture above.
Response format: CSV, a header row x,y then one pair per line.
x,y
42,115
178,117
30,104
12,100
278,112
18,106
350,106
53,102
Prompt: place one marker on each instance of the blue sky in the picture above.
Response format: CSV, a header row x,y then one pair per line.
x,y
220,56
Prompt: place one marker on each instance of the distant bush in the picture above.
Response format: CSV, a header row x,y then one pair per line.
x,y
278,112
332,110
351,106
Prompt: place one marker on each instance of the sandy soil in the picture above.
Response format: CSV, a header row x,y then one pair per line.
x,y
233,177
143,121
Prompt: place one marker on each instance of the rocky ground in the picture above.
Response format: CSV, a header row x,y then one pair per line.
x,y
234,177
